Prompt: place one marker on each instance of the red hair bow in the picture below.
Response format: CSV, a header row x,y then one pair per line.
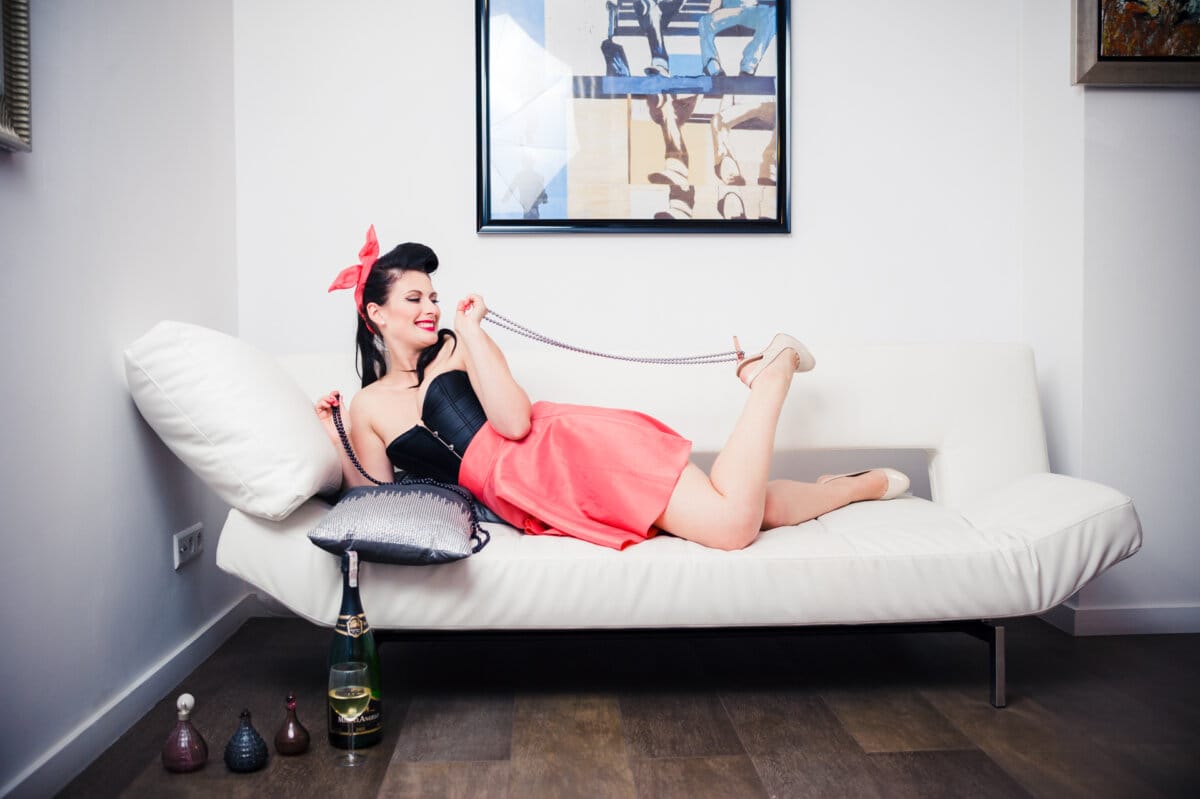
x,y
356,276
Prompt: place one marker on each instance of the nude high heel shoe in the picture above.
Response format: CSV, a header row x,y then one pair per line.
x,y
897,481
760,361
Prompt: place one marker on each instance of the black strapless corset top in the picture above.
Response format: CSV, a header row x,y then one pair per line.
x,y
451,416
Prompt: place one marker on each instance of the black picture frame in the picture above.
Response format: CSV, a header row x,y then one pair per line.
x,y
567,117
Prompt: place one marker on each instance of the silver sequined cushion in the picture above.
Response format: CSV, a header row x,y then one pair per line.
x,y
400,523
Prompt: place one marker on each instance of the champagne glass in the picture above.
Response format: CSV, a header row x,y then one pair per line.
x,y
349,695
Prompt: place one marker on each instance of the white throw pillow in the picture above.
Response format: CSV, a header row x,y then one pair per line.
x,y
233,415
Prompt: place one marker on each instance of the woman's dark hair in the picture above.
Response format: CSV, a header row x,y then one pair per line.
x,y
372,364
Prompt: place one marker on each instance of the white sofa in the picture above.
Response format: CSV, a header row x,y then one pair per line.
x,y
1001,537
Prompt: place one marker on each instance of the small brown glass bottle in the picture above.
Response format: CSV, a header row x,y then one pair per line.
x,y
184,749
292,738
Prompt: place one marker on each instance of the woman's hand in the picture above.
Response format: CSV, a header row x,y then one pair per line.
x,y
504,401
324,408
470,312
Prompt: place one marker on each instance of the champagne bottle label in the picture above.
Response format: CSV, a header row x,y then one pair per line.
x,y
352,626
370,721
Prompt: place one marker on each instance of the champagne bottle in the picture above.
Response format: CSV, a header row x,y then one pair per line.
x,y
354,641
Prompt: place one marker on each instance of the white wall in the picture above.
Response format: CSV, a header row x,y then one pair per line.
x,y
122,215
1051,225
906,179
1111,273
1141,350
947,185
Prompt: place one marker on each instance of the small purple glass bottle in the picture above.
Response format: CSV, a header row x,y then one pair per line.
x,y
292,738
184,749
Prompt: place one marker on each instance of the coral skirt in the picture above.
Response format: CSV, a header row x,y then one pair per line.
x,y
599,474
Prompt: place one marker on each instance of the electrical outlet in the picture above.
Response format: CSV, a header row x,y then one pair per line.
x,y
188,544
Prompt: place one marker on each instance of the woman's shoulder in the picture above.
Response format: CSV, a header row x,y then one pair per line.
x,y
451,356
369,393
361,404
384,408
369,399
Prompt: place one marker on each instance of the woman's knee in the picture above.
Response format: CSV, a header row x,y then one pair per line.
x,y
718,527
697,512
743,537
740,526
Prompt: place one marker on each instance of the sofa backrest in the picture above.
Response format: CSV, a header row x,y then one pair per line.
x,y
972,407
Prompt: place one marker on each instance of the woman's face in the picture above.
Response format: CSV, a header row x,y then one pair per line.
x,y
409,318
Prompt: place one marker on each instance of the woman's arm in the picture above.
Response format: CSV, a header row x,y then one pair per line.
x,y
504,401
368,453
369,448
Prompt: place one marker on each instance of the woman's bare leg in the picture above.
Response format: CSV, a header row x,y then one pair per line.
x,y
725,508
790,502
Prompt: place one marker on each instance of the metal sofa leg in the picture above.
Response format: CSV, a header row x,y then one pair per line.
x,y
996,653
993,633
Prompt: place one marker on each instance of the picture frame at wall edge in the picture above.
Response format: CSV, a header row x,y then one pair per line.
x,y
1132,28
607,118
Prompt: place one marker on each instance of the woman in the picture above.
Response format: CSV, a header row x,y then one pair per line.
x,y
444,404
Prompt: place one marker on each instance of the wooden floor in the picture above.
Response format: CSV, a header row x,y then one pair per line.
x,y
830,715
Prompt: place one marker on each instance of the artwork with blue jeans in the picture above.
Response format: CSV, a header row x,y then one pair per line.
x,y
633,114
653,17
724,14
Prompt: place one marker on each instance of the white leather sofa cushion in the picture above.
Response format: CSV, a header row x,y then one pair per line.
x,y
905,560
233,415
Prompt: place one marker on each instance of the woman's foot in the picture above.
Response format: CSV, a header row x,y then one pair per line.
x,y
752,366
885,483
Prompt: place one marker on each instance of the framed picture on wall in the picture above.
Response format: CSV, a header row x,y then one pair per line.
x,y
632,115
1128,43
15,127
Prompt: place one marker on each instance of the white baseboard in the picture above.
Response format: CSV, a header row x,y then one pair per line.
x,y
78,748
1124,621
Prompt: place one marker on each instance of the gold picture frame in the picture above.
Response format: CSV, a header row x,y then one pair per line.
x,y
16,131
1091,67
